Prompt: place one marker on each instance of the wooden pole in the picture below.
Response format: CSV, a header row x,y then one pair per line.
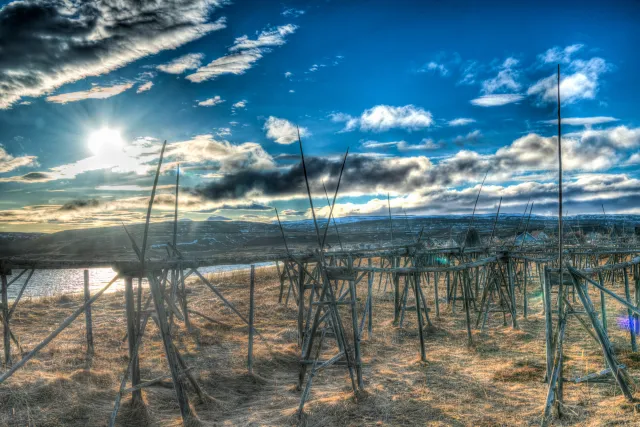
x,y
136,397
632,329
5,321
54,334
87,314
251,316
416,292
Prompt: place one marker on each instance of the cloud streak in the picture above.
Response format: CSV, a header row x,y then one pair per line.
x,y
47,44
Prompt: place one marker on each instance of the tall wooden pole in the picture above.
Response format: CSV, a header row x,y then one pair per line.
x,y
251,316
136,398
87,314
5,321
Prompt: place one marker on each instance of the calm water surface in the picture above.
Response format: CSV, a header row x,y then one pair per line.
x,y
56,282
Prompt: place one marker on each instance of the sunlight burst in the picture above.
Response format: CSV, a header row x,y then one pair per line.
x,y
104,139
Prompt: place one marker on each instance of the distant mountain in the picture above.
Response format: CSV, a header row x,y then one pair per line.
x,y
218,218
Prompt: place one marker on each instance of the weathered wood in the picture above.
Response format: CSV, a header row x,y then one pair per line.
x,y
183,399
55,333
416,293
5,321
136,397
87,315
251,318
630,319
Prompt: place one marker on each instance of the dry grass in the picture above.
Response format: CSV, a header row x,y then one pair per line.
x,y
497,381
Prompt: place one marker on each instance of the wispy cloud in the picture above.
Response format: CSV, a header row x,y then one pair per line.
x,y
96,92
75,40
267,38
506,79
243,54
583,121
9,162
557,54
283,131
497,99
179,65
293,12
144,87
211,101
460,121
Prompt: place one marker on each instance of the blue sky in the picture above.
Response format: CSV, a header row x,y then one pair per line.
x,y
429,96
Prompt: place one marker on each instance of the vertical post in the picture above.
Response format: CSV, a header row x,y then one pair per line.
x,y
136,397
281,278
87,314
300,304
356,332
548,322
5,320
370,297
512,290
524,290
185,308
632,329
251,315
416,292
603,303
396,293
435,291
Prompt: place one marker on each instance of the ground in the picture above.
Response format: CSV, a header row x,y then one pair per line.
x,y
496,381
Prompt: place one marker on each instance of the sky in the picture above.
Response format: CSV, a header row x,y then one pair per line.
x,y
429,97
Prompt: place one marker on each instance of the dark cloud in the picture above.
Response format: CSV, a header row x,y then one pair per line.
x,y
47,43
80,204
360,172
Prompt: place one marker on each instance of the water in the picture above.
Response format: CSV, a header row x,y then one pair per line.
x,y
45,283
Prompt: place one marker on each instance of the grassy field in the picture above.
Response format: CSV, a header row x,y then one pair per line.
x,y
497,381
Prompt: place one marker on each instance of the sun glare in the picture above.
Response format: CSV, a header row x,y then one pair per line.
x,y
104,139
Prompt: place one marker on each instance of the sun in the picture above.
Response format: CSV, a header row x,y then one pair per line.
x,y
105,139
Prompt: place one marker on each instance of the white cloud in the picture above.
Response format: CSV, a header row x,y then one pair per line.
x,y
244,53
144,87
283,131
293,12
581,83
240,104
384,117
557,54
9,162
229,157
471,137
496,99
288,74
583,121
274,37
436,67
505,81
96,92
179,65
211,101
76,40
235,63
425,144
460,122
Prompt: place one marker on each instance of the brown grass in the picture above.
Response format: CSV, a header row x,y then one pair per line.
x,y
497,381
